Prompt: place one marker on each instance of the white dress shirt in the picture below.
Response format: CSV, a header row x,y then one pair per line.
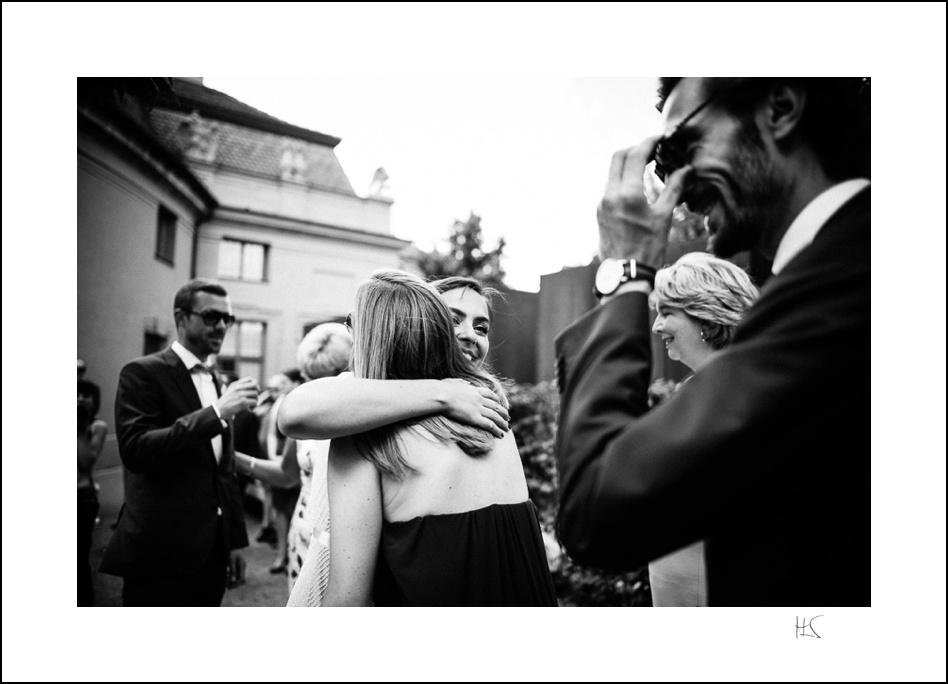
x,y
814,216
204,384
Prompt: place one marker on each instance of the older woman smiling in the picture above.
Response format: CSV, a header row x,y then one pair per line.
x,y
699,300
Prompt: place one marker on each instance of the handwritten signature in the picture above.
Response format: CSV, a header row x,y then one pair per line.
x,y
804,625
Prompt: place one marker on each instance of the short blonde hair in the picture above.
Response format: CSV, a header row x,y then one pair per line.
x,y
714,291
324,351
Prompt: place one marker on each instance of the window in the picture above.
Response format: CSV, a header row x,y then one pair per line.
x,y
167,227
242,260
243,349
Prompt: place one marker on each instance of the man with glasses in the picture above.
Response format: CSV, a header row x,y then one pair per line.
x,y
763,452
183,513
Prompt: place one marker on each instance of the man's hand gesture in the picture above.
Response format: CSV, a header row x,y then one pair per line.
x,y
238,396
630,228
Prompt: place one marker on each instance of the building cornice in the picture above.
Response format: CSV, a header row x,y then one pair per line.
x,y
256,219
219,169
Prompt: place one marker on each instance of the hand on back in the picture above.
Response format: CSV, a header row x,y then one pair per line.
x,y
475,406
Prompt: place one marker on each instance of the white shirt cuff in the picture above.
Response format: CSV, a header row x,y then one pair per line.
x,y
218,412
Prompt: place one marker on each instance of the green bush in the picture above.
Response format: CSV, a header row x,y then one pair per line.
x,y
533,418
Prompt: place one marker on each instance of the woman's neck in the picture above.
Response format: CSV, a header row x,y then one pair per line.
x,y
703,360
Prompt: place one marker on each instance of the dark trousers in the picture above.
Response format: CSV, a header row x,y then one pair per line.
x,y
85,517
205,588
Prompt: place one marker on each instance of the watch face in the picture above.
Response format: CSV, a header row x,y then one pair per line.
x,y
609,276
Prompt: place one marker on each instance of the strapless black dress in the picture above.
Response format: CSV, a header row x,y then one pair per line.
x,y
491,556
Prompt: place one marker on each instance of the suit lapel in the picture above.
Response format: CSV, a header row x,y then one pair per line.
x,y
850,216
182,379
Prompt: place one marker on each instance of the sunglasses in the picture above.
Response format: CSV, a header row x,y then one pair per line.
x,y
671,151
349,322
212,317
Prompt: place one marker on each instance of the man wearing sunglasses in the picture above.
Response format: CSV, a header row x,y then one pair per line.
x,y
753,453
183,513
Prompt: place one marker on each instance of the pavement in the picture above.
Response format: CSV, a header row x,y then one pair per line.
x,y
261,588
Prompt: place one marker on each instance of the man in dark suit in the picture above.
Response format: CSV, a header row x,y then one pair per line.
x,y
183,512
764,453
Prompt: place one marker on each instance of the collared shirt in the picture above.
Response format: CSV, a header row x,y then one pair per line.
x,y
814,216
204,384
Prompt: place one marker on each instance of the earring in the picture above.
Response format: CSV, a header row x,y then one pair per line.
x,y
704,337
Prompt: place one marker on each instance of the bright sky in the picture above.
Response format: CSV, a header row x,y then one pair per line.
x,y
530,156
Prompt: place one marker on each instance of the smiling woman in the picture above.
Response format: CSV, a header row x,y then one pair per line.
x,y
469,302
699,300
336,407
430,511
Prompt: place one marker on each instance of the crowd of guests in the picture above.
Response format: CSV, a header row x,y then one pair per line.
x,y
394,478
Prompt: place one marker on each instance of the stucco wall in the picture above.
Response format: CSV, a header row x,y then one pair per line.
x,y
123,290
564,297
294,200
310,280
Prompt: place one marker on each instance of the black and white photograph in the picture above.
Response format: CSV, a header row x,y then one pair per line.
x,y
454,306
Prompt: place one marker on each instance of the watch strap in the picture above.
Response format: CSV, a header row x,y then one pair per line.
x,y
631,271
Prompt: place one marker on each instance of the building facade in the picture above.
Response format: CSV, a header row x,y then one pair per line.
x,y
177,180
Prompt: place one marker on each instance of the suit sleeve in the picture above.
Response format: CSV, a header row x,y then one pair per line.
x,y
635,485
237,530
146,441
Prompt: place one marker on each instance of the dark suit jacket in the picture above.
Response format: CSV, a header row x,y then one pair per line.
x,y
765,452
175,489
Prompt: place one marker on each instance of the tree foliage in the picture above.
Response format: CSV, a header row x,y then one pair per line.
x,y
533,418
465,255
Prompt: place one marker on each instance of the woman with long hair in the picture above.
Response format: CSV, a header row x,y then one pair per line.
x,y
698,300
345,405
339,406
427,511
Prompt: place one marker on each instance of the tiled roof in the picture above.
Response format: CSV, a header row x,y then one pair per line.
x,y
264,150
189,96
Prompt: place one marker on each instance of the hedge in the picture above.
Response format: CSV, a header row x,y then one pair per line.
x,y
533,418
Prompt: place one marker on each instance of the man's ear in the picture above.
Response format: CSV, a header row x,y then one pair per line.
x,y
785,109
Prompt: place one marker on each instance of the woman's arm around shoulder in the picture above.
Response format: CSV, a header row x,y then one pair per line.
x,y
344,405
355,512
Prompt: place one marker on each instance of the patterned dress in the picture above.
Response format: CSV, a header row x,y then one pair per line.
x,y
309,527
312,508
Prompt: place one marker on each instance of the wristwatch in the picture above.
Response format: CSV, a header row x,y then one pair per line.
x,y
613,272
